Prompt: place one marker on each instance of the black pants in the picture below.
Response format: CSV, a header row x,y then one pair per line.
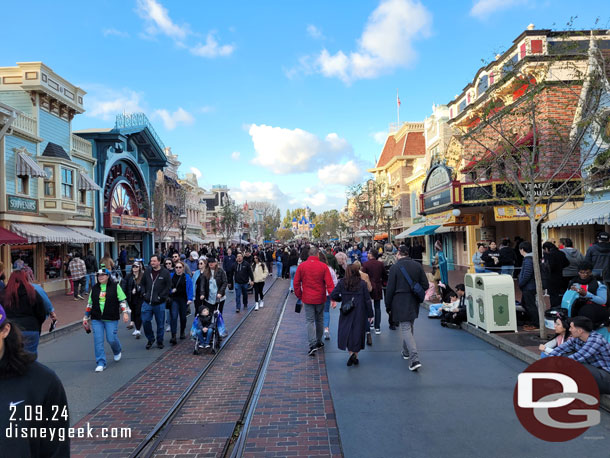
x,y
598,314
269,267
377,305
258,291
79,286
218,306
528,301
555,296
122,266
230,278
136,313
453,317
602,378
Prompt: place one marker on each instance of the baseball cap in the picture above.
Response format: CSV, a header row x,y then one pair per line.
x,y
403,250
182,257
103,272
194,255
2,315
603,236
212,259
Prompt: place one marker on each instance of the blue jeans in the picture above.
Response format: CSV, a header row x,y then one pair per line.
x,y
327,312
279,269
204,340
110,328
293,271
241,289
89,282
178,308
507,270
479,270
30,341
158,311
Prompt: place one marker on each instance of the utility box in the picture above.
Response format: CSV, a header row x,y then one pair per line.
x,y
474,298
494,302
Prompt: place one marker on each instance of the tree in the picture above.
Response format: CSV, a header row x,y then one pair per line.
x,y
167,210
227,222
328,221
269,215
539,149
367,209
284,234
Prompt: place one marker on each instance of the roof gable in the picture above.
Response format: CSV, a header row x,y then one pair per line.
x,y
409,144
54,150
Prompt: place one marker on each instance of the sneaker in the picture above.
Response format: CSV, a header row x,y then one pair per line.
x,y
262,304
320,344
76,298
173,340
149,345
80,297
138,335
135,333
207,345
414,365
371,326
256,306
168,328
312,350
160,345
99,369
377,331
237,311
404,355
188,312
130,326
327,335
117,357
200,346
182,336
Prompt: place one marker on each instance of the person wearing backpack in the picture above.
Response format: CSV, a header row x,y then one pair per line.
x,y
407,283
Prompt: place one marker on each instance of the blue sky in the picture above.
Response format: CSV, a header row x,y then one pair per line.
x,y
281,100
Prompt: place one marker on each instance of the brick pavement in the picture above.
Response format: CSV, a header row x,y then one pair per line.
x,y
145,399
295,414
219,401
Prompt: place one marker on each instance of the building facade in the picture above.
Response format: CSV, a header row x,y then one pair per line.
x,y
47,188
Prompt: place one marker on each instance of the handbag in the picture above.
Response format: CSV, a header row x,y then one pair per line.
x,y
298,306
416,288
347,307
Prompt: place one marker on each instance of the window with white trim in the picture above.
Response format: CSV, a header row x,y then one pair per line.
x,y
67,183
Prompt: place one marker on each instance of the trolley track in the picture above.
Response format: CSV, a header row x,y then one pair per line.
x,y
156,437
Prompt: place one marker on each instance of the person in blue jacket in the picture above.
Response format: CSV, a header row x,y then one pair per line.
x,y
181,295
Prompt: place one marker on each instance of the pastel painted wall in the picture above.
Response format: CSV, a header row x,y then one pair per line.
x,y
12,142
17,99
53,129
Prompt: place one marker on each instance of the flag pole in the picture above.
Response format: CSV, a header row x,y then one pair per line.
x,y
397,110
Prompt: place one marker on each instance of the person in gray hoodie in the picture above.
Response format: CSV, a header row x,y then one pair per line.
x,y
599,255
575,257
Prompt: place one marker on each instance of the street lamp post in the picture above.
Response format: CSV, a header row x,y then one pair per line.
x,y
183,219
388,213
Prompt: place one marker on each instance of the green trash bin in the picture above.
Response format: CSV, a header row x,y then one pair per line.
x,y
495,302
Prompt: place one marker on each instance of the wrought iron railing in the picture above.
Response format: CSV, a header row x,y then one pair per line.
x,y
128,120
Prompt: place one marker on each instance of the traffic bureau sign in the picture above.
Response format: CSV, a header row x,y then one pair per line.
x,y
22,204
437,189
557,190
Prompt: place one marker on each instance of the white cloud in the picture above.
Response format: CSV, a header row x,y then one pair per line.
x,y
235,155
482,9
115,33
171,120
207,109
211,48
158,20
105,103
258,190
380,137
294,150
344,174
316,200
315,32
197,172
385,44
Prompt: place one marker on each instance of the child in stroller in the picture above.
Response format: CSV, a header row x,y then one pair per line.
x,y
205,330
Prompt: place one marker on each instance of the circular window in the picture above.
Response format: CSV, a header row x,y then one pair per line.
x,y
123,201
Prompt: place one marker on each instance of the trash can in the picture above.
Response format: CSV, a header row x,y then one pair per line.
x,y
495,302
474,298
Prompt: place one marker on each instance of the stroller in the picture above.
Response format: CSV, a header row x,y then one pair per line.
x,y
216,334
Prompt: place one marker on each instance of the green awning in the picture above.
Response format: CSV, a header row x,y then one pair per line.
x,y
426,230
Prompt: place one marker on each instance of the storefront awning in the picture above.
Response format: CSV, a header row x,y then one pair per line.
x,y
93,235
10,238
37,233
445,229
409,232
27,166
85,183
426,230
589,213
193,239
362,234
380,236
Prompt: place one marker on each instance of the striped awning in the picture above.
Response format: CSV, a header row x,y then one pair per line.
x,y
589,213
93,235
85,183
27,166
38,233
408,232
445,229
9,238
193,238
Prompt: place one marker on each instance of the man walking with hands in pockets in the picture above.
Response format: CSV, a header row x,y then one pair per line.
x,y
404,303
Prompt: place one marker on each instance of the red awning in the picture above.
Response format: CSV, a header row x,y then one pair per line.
x,y
381,236
10,238
526,140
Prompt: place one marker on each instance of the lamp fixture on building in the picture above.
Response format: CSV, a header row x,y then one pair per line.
x,y
183,220
388,214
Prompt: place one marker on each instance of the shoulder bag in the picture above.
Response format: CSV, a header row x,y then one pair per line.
x,y
348,306
416,288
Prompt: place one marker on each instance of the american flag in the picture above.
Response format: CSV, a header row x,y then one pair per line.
x,y
397,99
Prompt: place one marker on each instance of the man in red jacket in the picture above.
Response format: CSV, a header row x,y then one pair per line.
x,y
312,282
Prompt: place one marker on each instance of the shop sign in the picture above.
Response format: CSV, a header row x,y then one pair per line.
x,y
488,233
437,199
419,220
471,219
438,177
557,190
509,213
438,219
22,204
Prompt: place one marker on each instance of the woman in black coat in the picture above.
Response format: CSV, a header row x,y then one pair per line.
x,y
354,325
132,287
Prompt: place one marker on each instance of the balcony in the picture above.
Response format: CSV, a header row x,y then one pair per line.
x,y
26,126
81,146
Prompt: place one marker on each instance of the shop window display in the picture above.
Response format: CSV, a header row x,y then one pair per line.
x,y
23,258
53,262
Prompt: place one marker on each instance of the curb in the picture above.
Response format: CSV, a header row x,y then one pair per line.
x,y
47,337
513,349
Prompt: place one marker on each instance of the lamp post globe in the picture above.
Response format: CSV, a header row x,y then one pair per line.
x,y
183,221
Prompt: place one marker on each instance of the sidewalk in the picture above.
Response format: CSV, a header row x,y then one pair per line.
x,y
68,311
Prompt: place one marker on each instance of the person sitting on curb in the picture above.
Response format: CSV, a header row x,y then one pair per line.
x,y
455,312
590,349
562,334
592,295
